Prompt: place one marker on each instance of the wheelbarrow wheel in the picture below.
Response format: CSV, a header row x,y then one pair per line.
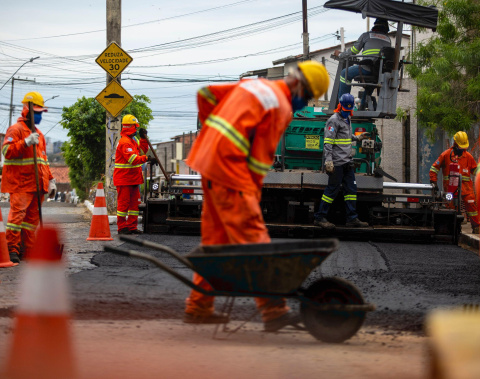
x,y
332,326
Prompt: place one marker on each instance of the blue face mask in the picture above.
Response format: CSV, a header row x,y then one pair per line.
x,y
345,114
298,103
37,117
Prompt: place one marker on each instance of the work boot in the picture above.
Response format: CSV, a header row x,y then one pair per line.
x,y
474,229
278,323
214,318
324,224
356,223
124,231
14,257
136,231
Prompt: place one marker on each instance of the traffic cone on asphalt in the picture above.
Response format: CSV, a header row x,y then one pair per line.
x,y
4,255
100,228
41,346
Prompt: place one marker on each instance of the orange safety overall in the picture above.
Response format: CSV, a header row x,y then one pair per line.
x,y
18,179
127,176
468,167
242,125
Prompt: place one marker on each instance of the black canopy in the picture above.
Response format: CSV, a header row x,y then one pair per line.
x,y
407,13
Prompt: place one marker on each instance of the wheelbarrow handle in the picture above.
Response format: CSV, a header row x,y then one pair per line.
x,y
158,263
159,247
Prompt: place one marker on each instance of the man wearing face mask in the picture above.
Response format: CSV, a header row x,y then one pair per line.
x,y
242,124
458,154
127,174
337,153
18,177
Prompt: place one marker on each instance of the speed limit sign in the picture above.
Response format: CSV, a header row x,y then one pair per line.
x,y
114,59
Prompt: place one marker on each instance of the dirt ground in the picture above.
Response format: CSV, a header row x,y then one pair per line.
x,y
170,349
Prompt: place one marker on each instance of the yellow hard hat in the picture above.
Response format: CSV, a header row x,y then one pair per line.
x,y
461,139
317,77
130,120
37,100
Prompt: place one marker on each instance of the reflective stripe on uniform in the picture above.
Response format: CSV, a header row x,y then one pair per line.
x,y
256,166
208,95
371,52
340,141
229,131
342,80
472,214
133,213
327,199
28,226
434,169
121,214
4,149
354,50
132,158
14,227
446,177
126,165
350,197
465,178
25,162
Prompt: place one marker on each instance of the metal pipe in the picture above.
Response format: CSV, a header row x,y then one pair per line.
x,y
186,177
410,186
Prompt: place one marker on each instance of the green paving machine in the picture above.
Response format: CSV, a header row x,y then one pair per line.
x,y
294,186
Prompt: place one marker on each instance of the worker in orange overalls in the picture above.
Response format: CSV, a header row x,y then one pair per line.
x,y
127,175
242,125
18,177
458,154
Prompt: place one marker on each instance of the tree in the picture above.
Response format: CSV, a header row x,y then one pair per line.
x,y
85,151
446,68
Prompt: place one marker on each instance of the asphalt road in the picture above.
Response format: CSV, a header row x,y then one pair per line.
x,y
405,281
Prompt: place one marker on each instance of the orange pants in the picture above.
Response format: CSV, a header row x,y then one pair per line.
x,y
127,207
22,221
231,217
468,197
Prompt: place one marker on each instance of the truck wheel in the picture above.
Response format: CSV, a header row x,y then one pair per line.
x,y
332,326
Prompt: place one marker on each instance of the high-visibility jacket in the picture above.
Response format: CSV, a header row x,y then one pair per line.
x,y
241,126
338,140
370,43
18,169
129,161
468,167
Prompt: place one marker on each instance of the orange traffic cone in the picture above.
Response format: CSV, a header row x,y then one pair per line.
x,y
100,229
4,256
41,346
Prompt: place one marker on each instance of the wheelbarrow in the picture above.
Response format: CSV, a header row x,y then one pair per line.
x,y
332,309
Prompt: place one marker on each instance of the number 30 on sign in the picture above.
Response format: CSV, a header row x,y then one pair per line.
x,y
114,59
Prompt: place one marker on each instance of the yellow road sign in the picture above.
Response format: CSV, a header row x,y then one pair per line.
x,y
114,59
114,98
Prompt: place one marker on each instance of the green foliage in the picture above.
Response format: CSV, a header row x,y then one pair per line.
x,y
85,151
446,68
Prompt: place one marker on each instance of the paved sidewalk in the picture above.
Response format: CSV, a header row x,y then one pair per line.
x,y
468,239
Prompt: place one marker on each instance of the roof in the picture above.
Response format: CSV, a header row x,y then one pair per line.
x,y
60,173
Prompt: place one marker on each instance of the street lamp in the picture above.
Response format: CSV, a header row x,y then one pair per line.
x,y
30,60
53,97
13,81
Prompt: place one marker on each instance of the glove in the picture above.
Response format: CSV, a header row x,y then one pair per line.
x,y
152,161
435,186
52,188
142,133
329,167
363,136
32,139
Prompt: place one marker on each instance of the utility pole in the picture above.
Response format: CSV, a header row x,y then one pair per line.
x,y
306,48
11,99
113,124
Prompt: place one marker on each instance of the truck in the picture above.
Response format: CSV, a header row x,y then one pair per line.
x,y
293,188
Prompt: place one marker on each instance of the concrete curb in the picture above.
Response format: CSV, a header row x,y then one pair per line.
x,y
111,219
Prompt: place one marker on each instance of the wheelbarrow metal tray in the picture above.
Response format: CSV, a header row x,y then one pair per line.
x,y
274,268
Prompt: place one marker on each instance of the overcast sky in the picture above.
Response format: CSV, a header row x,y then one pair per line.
x,y
173,44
